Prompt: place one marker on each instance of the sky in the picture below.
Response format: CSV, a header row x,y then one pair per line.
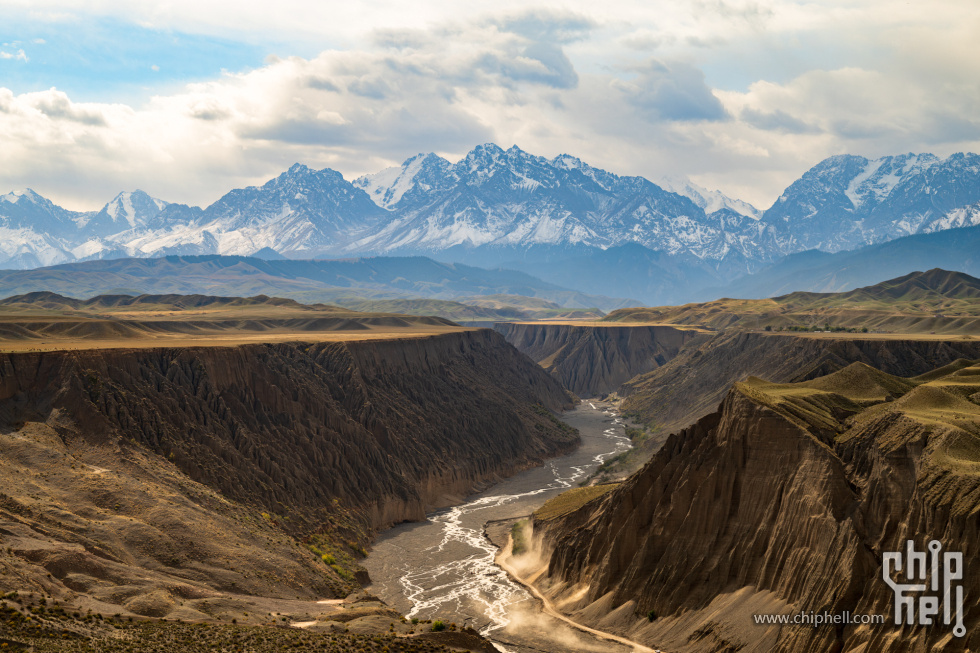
x,y
188,99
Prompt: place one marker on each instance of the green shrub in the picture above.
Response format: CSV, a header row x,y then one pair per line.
x,y
518,536
438,626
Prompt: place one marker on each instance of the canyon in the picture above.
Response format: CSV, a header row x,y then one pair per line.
x,y
784,500
198,483
210,459
596,358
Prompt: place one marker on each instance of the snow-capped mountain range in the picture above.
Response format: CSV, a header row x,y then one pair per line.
x,y
507,201
848,201
494,198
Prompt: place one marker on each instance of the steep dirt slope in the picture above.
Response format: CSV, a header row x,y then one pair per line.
x,y
162,476
692,384
594,359
784,500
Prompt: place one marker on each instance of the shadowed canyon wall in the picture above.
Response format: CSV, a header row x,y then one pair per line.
x,y
595,360
387,427
693,383
162,481
783,500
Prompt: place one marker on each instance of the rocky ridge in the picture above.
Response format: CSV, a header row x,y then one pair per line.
x,y
693,383
596,359
155,479
783,500
509,206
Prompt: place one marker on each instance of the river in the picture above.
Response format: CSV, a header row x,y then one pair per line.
x,y
443,567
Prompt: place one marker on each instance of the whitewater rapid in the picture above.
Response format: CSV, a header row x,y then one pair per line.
x,y
446,566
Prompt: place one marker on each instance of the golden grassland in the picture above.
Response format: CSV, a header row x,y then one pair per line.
x,y
944,405
222,339
54,323
571,500
921,303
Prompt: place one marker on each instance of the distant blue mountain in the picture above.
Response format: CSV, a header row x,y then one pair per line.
x,y
560,219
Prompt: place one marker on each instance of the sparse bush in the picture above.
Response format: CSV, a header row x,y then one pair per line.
x,y
438,626
517,534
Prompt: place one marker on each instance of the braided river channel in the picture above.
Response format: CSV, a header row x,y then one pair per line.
x,y
444,567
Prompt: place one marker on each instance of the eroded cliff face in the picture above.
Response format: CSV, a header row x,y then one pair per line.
x,y
782,501
595,360
693,383
391,427
196,468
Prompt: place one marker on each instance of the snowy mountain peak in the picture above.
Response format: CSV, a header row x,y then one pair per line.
x,y
482,157
134,208
847,201
709,200
567,162
507,201
299,181
26,194
875,182
386,188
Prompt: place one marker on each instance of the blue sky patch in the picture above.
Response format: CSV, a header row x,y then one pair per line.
x,y
108,60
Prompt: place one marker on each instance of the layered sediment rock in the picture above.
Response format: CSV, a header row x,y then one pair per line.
x,y
162,477
693,383
594,360
784,500
390,427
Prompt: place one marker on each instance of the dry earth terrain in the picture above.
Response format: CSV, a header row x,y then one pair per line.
x,y
228,461
783,500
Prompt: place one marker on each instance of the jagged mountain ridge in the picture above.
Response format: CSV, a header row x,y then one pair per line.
x,y
511,199
847,201
498,206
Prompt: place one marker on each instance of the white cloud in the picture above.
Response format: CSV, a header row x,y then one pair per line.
x,y
638,89
20,55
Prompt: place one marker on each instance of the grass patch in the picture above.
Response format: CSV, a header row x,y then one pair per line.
x,y
518,533
571,500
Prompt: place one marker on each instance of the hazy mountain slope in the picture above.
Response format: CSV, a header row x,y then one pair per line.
x,y
956,249
557,218
848,201
308,281
631,270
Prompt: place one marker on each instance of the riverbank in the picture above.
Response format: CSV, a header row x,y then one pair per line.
x,y
444,567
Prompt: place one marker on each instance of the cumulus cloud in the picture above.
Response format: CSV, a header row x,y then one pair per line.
x,y
777,120
19,55
639,92
671,91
